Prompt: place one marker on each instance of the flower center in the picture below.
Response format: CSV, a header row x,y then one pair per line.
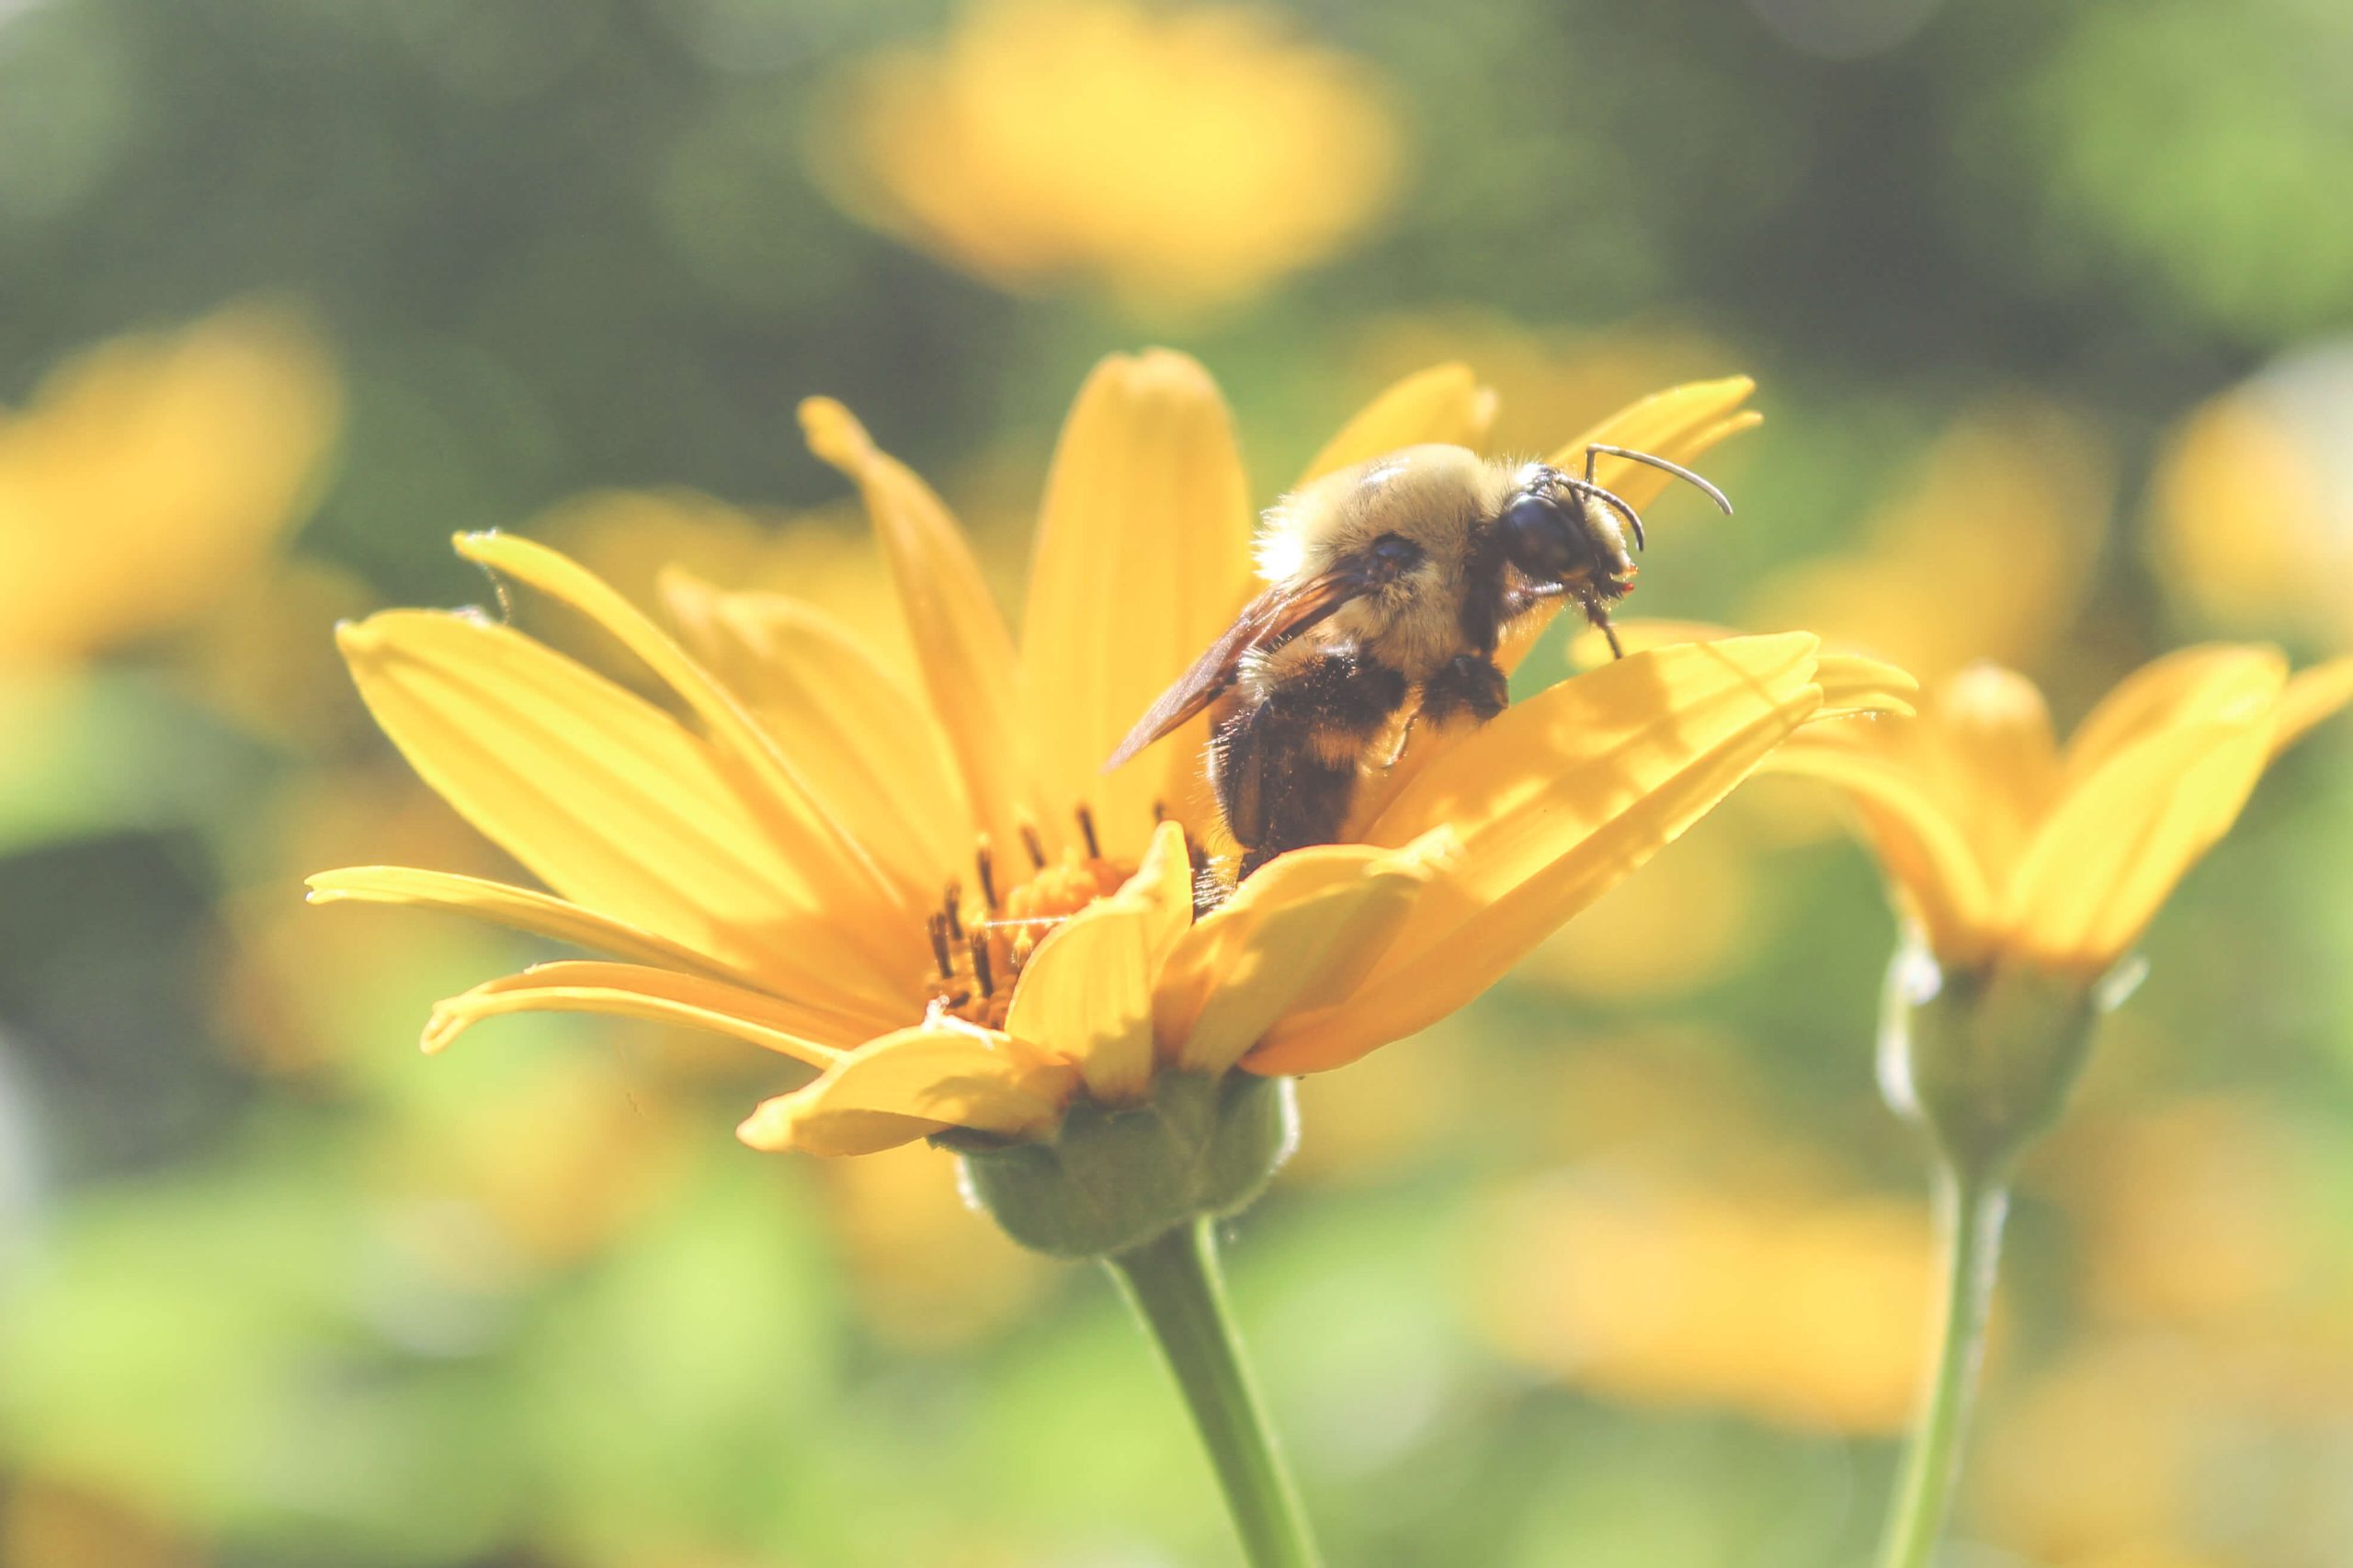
x,y
982,937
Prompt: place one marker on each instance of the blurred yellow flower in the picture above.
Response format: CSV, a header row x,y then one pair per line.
x,y
2247,526
150,475
940,901
1984,558
1802,1312
1179,156
2003,848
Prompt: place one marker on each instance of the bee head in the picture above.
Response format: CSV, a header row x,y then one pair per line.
x,y
1553,532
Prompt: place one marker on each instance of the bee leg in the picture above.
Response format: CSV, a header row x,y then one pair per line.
x,y
1469,684
1285,767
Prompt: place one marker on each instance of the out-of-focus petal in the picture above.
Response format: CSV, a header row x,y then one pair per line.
x,y
1555,800
1855,686
1987,739
2213,680
633,991
2309,697
1300,934
961,643
867,748
1921,843
602,796
853,885
2119,841
150,476
1085,994
1143,550
910,1084
1444,403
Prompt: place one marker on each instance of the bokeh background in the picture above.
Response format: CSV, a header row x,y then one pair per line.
x,y
2052,308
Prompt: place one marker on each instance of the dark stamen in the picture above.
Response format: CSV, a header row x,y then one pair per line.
x,y
1159,812
984,859
937,929
1086,831
1035,845
954,912
981,969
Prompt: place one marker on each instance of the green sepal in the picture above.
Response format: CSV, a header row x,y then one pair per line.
x,y
1984,1060
1114,1177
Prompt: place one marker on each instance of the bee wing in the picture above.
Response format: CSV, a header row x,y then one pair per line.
x,y
1266,622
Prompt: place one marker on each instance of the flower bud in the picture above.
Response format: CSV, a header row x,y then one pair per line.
x,y
1984,1058
1116,1176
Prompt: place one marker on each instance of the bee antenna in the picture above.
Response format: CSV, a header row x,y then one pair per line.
x,y
1616,504
1723,502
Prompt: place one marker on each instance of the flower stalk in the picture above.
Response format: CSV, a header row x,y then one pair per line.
x,y
1970,1207
1174,1284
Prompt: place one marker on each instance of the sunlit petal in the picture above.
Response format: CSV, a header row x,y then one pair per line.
x,y
2213,680
1680,425
864,747
961,643
1299,934
1444,403
1143,550
1556,801
917,1081
2309,697
602,796
633,991
1086,994
805,834
2118,843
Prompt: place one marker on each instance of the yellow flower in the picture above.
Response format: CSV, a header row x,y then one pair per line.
x,y
1179,156
938,899
150,475
2003,847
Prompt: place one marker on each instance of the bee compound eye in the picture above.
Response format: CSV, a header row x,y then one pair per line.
x,y
1535,536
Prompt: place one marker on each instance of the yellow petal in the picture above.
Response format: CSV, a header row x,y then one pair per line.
x,y
853,885
1144,547
962,645
1444,403
2309,697
1302,933
602,796
1086,994
1987,737
867,747
517,909
2213,680
913,1084
1855,686
2119,841
152,475
1555,800
1679,424
1920,843
633,991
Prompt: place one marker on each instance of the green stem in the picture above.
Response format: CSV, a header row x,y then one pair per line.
x,y
1174,1283
1971,1206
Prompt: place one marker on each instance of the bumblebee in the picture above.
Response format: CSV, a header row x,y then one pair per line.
x,y
1390,585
